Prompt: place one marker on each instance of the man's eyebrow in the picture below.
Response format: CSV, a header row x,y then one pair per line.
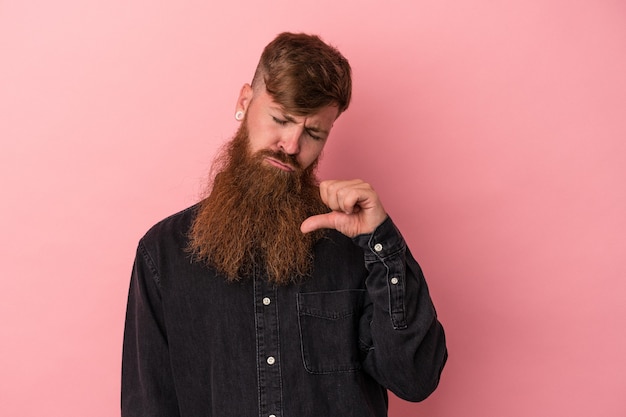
x,y
307,128
315,129
288,118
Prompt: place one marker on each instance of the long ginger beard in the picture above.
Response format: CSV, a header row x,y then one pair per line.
x,y
250,222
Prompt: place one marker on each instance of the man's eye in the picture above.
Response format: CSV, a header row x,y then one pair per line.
x,y
280,122
313,136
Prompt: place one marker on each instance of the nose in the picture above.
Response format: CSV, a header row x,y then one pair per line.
x,y
290,140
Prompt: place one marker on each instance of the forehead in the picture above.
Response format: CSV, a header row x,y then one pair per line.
x,y
326,114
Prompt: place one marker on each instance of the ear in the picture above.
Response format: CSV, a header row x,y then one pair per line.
x,y
245,96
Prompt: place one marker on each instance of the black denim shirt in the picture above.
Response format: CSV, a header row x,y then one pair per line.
x,y
196,345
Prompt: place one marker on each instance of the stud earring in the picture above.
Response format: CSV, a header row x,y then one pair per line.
x,y
239,115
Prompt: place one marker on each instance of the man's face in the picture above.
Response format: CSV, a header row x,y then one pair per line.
x,y
263,189
271,128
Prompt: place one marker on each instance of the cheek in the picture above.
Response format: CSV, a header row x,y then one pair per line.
x,y
311,153
259,136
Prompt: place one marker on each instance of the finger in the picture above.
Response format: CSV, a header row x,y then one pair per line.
x,y
348,199
327,195
352,197
341,195
319,221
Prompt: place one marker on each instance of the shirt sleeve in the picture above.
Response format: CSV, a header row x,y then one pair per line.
x,y
147,383
404,343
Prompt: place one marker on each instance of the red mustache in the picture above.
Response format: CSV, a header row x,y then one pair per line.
x,y
281,157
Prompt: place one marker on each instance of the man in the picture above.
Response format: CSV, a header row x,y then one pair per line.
x,y
275,296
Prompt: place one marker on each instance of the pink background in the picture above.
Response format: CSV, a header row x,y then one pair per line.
x,y
495,133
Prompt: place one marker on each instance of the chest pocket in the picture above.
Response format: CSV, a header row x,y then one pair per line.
x,y
329,330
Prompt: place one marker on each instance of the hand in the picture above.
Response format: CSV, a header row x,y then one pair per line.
x,y
355,207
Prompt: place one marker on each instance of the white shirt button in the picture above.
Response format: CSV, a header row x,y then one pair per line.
x,y
378,247
266,301
271,360
394,280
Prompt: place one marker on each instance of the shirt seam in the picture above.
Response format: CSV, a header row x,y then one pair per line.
x,y
150,263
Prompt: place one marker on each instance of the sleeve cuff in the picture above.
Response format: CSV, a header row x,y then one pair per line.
x,y
385,241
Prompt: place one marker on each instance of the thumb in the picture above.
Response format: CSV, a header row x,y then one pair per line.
x,y
319,221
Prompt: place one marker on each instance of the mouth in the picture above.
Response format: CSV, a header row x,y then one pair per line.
x,y
278,164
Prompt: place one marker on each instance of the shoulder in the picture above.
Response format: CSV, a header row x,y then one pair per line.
x,y
171,230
